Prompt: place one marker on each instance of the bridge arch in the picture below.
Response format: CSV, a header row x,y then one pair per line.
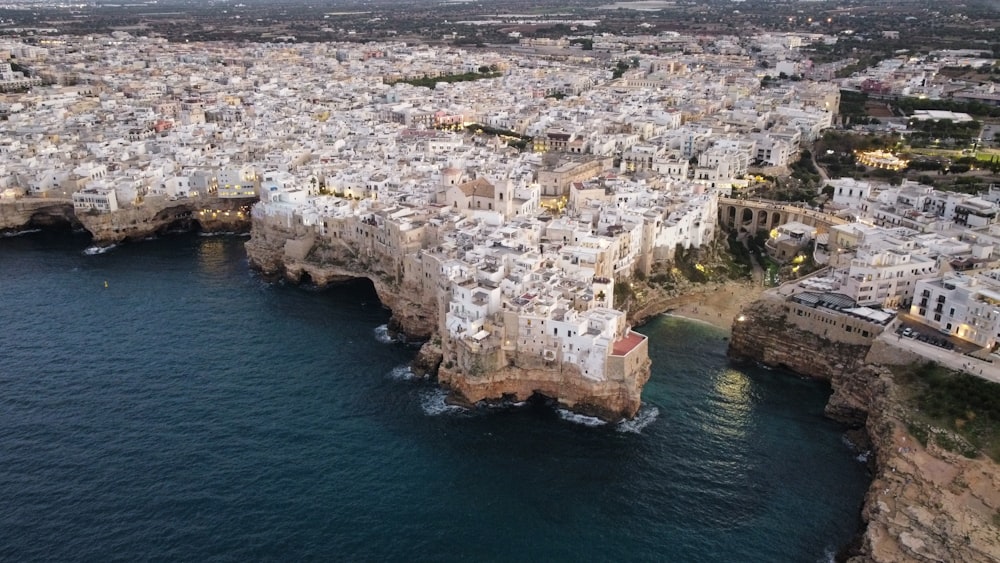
x,y
762,223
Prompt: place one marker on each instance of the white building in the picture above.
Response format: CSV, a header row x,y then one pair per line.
x,y
100,200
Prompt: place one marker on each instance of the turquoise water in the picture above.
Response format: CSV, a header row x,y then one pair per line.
x,y
191,411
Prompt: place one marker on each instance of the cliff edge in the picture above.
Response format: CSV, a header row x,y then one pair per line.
x,y
154,216
486,349
294,253
925,503
36,213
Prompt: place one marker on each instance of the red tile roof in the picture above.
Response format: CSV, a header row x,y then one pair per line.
x,y
627,344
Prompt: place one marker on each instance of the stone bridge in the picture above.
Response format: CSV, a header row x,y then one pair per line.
x,y
758,215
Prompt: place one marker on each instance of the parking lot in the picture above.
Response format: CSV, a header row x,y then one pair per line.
x,y
930,337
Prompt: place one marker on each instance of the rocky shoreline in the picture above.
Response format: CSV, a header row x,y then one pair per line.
x,y
289,250
924,504
155,216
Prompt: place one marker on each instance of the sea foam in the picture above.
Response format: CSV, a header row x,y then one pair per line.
x,y
647,415
433,402
577,418
13,234
402,373
95,250
382,334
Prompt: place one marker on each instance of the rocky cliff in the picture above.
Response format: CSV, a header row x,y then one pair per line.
x,y
606,399
31,213
766,337
293,253
154,216
924,504
159,215
283,247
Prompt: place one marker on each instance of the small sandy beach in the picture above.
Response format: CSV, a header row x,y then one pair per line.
x,y
718,305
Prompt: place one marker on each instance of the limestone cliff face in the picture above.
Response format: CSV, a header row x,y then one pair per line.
x,y
924,504
285,248
31,213
766,337
155,216
609,399
293,253
158,216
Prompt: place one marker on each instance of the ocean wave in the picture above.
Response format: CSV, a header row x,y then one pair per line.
x,y
646,416
13,234
402,373
382,334
433,402
863,456
502,404
95,250
578,418
829,555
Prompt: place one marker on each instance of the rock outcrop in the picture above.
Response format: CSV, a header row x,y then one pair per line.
x,y
155,216
158,215
766,337
473,370
607,400
36,213
924,504
293,253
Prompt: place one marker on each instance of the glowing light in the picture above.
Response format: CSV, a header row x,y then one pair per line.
x,y
882,159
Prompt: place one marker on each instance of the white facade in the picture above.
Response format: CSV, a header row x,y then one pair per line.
x,y
100,200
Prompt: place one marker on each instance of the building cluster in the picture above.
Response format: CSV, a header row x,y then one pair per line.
x,y
920,76
912,248
521,246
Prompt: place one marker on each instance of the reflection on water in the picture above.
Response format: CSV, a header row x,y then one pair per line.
x,y
736,393
727,415
212,256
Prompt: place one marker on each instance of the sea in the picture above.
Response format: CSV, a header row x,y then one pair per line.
x,y
161,401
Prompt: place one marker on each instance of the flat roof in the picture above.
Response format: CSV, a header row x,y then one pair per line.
x,y
627,344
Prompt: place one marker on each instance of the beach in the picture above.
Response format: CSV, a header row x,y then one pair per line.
x,y
716,304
